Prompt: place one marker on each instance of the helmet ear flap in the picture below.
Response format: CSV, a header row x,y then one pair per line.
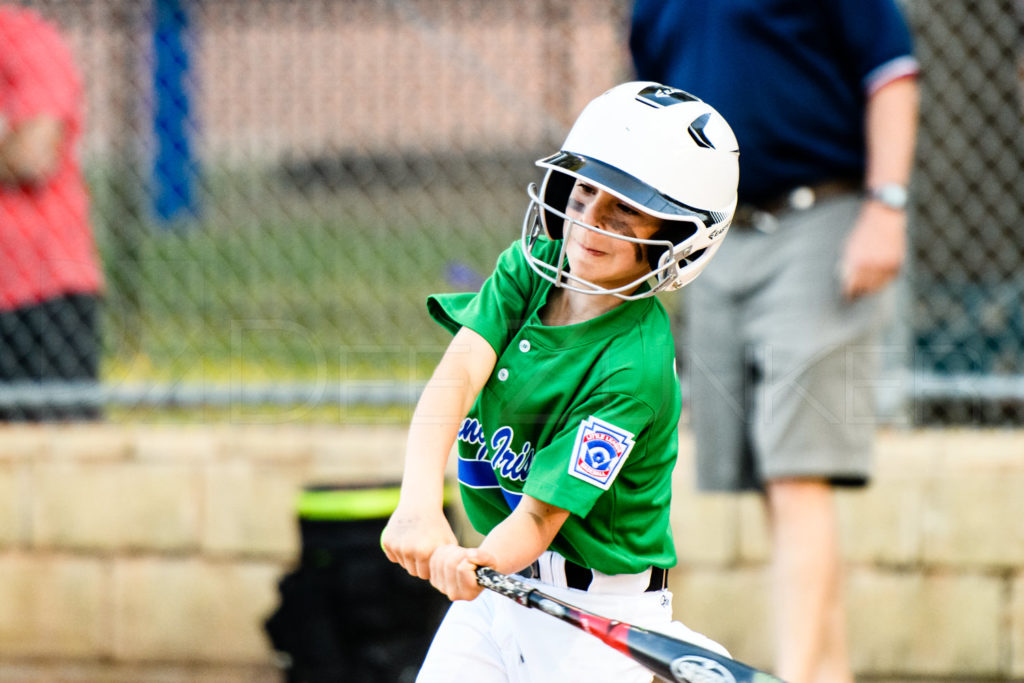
x,y
675,232
554,192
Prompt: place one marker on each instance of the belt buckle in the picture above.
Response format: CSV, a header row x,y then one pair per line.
x,y
802,198
764,222
799,199
530,572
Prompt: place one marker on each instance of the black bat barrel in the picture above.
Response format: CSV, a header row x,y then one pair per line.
x,y
690,663
346,613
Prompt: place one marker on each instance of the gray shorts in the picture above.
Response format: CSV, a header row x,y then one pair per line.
x,y
782,369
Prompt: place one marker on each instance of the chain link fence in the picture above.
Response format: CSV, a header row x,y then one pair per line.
x,y
277,185
966,283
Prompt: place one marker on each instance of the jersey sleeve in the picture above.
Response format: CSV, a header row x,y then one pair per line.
x,y
877,38
603,443
497,310
38,70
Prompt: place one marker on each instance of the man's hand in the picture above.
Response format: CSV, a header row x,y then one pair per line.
x,y
411,537
30,153
875,250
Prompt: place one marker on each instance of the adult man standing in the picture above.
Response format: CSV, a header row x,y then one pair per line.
x,y
784,331
49,272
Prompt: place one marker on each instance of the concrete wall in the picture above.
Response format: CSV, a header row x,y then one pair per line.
x,y
153,552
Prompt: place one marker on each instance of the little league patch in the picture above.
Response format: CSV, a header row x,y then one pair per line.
x,y
599,452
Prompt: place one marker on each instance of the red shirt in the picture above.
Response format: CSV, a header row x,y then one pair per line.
x,y
46,243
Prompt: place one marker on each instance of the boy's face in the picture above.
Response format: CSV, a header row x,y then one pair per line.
x,y
602,259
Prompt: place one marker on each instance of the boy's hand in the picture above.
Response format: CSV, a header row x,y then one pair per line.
x,y
453,570
411,537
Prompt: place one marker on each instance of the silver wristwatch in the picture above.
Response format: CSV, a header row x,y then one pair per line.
x,y
892,195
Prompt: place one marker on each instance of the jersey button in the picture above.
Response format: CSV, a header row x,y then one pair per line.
x,y
524,346
502,375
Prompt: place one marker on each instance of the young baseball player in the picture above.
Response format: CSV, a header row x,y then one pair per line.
x,y
559,388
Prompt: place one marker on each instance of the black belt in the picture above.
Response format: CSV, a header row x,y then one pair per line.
x,y
580,578
799,198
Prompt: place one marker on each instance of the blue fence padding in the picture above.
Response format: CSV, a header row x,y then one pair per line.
x,y
175,172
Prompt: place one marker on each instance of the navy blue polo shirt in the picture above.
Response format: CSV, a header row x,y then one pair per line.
x,y
790,76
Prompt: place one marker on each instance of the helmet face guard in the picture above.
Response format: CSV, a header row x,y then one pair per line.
x,y
667,270
664,152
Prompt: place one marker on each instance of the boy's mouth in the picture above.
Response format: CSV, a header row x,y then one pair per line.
x,y
589,250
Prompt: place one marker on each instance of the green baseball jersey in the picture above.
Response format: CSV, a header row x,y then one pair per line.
x,y
583,417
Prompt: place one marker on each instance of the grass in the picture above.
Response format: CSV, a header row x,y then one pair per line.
x,y
272,284
265,414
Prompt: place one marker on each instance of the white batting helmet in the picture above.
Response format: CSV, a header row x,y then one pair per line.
x,y
663,151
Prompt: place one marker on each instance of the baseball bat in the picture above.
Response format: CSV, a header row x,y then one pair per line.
x,y
668,658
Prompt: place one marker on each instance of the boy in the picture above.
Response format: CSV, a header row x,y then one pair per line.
x,y
559,386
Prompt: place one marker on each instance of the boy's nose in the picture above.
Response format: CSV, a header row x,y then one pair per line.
x,y
596,211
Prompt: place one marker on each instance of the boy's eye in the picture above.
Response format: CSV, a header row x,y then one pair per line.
x,y
628,210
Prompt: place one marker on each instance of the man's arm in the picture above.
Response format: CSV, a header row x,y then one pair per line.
x,y
418,525
877,245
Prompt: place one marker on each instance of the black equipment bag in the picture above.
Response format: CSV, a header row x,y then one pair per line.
x,y
347,613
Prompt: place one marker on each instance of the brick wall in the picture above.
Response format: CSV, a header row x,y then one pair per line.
x,y
153,552
934,560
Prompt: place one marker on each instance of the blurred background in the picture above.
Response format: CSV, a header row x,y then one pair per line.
x,y
276,187
278,184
